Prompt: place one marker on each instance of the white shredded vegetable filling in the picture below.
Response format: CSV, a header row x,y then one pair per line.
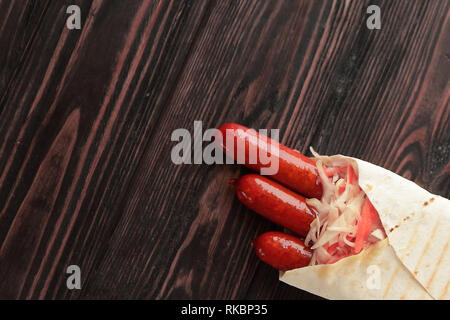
x,y
338,211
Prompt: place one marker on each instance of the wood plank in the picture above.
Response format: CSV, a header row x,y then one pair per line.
x,y
86,119
219,85
91,72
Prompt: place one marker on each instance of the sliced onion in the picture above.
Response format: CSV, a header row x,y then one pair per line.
x,y
337,214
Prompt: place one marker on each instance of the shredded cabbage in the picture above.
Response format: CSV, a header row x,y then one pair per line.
x,y
332,233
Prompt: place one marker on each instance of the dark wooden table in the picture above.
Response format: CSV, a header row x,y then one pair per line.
x,y
86,118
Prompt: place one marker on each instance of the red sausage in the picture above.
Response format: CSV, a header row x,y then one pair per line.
x,y
282,251
295,170
275,202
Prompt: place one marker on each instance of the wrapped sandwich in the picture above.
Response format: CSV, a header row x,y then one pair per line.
x,y
364,231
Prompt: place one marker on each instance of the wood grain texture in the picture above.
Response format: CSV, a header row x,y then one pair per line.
x,y
86,118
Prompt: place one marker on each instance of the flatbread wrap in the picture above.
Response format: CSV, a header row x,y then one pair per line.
x,y
412,261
